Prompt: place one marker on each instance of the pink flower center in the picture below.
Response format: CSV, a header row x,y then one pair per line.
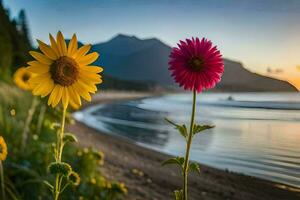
x,y
196,63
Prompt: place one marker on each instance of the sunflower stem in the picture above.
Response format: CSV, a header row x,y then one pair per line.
x,y
59,150
188,147
2,180
25,132
41,119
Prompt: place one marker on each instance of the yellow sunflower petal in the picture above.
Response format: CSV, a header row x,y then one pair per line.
x,y
72,47
82,51
38,70
48,88
54,45
58,96
81,91
62,47
40,78
87,87
95,78
41,57
36,64
47,50
92,69
3,147
53,94
88,59
75,95
39,89
74,105
36,89
72,98
65,97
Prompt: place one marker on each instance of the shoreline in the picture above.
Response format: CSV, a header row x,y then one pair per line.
x,y
140,168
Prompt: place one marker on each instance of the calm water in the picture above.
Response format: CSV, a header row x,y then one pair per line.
x,y
255,134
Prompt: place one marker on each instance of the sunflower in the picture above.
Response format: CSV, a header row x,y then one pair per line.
x,y
22,77
63,72
3,149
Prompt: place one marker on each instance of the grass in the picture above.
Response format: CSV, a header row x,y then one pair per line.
x,y
25,170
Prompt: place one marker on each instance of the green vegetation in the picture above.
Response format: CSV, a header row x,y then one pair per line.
x,y
25,170
28,127
14,42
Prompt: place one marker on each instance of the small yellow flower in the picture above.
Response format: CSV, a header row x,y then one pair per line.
x,y
93,181
85,150
3,149
123,188
13,112
79,153
63,71
22,77
35,137
108,185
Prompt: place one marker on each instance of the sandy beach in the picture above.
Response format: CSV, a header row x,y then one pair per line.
x,y
140,168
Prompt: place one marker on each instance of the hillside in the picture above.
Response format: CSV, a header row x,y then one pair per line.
x,y
130,58
237,78
14,42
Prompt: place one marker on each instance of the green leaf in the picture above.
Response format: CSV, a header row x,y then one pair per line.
x,y
178,194
69,137
181,128
49,185
54,126
178,160
199,128
194,167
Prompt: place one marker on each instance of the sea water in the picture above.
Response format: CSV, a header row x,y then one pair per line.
x,y
257,134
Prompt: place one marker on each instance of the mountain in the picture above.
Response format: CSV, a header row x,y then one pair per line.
x,y
130,58
237,78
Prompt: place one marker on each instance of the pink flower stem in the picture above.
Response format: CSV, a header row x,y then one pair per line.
x,y
188,146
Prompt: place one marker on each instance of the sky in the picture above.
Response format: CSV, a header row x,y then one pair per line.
x,y
259,33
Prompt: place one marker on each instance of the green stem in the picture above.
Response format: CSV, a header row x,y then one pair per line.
x,y
31,111
66,185
2,180
41,119
188,147
59,149
61,135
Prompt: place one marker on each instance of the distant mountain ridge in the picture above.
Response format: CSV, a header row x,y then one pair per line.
x,y
130,58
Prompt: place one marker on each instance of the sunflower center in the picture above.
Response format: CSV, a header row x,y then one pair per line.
x,y
64,71
196,63
25,77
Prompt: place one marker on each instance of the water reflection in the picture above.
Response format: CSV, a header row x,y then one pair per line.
x,y
137,124
254,141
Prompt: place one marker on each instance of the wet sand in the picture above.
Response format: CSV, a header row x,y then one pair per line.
x,y
140,168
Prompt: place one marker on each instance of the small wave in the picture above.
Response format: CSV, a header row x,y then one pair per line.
x,y
255,104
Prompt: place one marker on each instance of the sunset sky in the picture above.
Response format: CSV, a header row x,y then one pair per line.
x,y
259,33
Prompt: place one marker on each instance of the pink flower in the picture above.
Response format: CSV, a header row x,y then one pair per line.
x,y
196,65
